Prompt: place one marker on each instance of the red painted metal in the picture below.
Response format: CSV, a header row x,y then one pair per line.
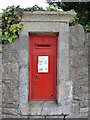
x,y
43,84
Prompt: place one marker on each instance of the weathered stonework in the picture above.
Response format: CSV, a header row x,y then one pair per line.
x,y
79,70
43,24
10,82
72,69
0,82
88,36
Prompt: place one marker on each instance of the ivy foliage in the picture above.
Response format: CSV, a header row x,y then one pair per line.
x,y
34,8
11,23
37,8
52,8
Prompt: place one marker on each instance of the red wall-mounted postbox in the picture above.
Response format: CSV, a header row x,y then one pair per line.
x,y
43,62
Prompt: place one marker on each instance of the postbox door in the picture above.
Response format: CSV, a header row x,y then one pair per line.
x,y
43,68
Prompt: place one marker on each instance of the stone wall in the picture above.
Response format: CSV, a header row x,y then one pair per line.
x,y
0,73
14,83
79,70
89,72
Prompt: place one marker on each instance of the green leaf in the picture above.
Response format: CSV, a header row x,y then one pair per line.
x,y
10,39
11,26
14,36
10,13
6,33
20,25
18,32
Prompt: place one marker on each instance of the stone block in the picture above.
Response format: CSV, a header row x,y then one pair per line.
x,y
77,36
63,57
0,89
64,92
0,95
1,63
37,118
9,104
24,41
76,107
81,88
82,71
78,31
10,57
84,104
10,111
82,52
45,108
0,74
23,57
24,76
0,113
11,47
36,108
89,60
23,90
89,50
75,62
84,110
44,16
88,39
51,108
76,43
10,71
84,62
72,73
44,27
73,53
82,81
10,91
13,117
80,96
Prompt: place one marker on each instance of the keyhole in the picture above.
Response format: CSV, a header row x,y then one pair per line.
x,y
36,76
51,95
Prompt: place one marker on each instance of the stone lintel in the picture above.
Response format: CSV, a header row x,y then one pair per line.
x,y
43,16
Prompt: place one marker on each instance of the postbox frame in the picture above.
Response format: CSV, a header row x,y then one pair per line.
x,y
52,45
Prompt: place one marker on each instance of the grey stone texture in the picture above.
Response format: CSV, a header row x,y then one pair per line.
x,y
10,82
72,69
88,36
79,70
0,74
